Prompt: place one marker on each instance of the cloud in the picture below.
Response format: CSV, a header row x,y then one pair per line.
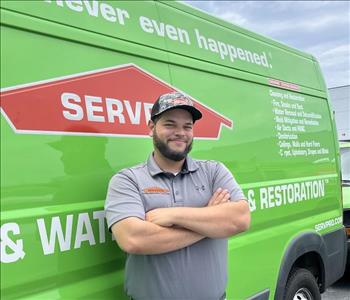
x,y
321,28
337,53
234,18
336,61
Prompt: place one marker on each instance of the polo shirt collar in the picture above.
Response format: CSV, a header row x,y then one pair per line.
x,y
189,166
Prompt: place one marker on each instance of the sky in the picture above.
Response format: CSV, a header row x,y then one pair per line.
x,y
321,28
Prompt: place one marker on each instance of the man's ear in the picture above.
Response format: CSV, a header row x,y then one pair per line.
x,y
151,125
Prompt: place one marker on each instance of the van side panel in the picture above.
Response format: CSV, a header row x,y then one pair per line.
x,y
53,186
253,152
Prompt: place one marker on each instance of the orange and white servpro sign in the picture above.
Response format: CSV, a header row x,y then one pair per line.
x,y
114,101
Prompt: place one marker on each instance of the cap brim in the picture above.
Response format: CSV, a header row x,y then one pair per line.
x,y
196,114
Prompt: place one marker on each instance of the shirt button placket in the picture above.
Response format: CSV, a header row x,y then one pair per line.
x,y
171,179
176,191
172,189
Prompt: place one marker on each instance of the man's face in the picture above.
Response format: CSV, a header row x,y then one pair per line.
x,y
173,134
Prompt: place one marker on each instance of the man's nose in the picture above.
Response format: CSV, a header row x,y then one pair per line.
x,y
180,131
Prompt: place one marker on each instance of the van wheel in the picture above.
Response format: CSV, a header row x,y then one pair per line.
x,y
302,285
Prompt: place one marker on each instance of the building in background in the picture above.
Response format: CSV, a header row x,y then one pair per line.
x,y
340,101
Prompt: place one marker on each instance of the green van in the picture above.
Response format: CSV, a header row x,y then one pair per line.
x,y
78,79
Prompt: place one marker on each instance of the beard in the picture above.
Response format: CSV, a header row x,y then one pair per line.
x,y
165,150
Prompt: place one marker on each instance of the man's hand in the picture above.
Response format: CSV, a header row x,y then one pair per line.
x,y
160,216
219,197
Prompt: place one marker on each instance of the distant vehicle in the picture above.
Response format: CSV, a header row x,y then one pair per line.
x,y
345,168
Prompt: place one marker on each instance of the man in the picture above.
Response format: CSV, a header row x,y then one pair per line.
x,y
173,214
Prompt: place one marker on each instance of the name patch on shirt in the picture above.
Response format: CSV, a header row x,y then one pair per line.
x,y
155,190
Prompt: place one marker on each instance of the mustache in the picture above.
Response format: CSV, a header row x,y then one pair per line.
x,y
178,139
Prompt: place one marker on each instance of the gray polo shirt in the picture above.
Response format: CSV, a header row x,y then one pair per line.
x,y
195,272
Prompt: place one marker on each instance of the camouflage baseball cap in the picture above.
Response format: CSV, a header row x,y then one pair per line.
x,y
174,100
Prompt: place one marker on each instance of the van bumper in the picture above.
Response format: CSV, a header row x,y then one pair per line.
x,y
338,247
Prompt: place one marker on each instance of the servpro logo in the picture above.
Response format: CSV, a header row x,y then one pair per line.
x,y
112,102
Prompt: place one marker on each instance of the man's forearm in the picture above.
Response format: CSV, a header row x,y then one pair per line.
x,y
147,238
157,239
219,221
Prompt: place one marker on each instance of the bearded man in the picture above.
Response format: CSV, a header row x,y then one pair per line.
x,y
172,214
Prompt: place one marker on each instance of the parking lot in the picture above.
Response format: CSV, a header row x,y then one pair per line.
x,y
340,290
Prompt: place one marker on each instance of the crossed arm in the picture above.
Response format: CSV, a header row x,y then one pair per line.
x,y
169,229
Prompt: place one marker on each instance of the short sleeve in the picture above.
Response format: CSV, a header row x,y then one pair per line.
x,y
123,199
223,178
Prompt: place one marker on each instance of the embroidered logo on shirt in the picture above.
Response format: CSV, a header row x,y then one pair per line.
x,y
155,190
200,188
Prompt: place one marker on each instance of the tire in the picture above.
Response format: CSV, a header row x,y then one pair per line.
x,y
301,285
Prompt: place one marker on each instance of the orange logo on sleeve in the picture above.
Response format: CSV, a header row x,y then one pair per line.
x,y
155,190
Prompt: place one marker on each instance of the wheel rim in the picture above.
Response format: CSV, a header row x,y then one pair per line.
x,y
303,294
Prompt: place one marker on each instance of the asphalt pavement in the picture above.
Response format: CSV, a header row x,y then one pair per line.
x,y
339,290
